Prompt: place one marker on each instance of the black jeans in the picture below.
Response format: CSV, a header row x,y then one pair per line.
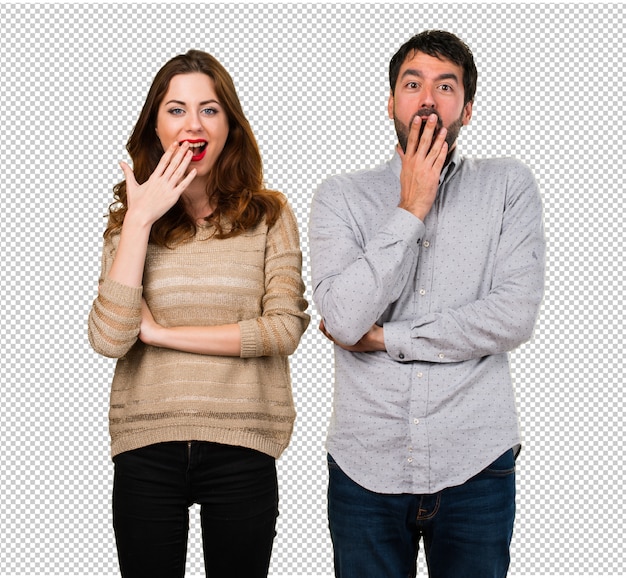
x,y
153,488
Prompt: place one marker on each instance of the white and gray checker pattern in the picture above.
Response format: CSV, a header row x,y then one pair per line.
x,y
313,81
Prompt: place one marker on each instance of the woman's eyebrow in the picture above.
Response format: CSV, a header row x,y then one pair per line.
x,y
175,101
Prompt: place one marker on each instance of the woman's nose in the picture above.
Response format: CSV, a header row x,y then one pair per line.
x,y
192,122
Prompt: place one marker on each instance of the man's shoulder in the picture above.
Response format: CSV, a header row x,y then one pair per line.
x,y
497,165
492,177
363,178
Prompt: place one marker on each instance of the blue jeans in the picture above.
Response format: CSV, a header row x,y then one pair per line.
x,y
153,488
466,529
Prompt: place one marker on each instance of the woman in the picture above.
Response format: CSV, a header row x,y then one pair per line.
x,y
201,301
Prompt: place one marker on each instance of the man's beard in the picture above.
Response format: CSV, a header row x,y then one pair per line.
x,y
402,130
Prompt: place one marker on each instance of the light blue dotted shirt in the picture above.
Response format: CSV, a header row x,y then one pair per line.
x,y
454,294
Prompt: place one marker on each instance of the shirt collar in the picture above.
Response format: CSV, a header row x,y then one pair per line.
x,y
446,173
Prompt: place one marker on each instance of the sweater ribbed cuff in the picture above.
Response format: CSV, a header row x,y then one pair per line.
x,y
120,293
248,338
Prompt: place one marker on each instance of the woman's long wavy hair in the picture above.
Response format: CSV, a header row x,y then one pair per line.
x,y
235,184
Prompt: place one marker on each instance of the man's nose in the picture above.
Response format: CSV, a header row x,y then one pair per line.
x,y
427,98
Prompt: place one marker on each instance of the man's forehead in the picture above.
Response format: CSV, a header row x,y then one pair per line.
x,y
424,57
419,63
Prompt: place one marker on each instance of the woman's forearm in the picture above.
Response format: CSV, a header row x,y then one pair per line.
x,y
130,258
211,340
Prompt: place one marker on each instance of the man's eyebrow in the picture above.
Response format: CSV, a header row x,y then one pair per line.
x,y
419,74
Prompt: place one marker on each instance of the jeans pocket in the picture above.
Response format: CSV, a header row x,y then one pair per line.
x,y
332,464
502,466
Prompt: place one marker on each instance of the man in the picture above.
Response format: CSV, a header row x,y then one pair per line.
x,y
427,271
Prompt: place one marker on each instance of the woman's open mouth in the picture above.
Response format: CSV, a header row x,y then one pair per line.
x,y
198,149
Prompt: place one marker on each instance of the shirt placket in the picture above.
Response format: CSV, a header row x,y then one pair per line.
x,y
418,448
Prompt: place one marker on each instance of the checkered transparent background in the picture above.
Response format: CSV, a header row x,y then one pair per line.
x,y
312,79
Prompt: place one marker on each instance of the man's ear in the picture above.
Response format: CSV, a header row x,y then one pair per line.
x,y
390,106
467,113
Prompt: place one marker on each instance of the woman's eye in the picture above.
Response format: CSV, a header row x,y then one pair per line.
x,y
176,111
209,111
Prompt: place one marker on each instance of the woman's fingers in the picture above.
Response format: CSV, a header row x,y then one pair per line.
x,y
168,174
187,180
166,158
177,161
129,175
153,198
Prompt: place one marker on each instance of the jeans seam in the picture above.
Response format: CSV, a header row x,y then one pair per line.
x,y
432,514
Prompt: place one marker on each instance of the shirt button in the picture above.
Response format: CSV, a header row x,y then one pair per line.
x,y
441,356
422,291
426,244
416,421
401,356
420,374
410,460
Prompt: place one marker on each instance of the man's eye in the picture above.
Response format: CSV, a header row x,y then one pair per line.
x,y
412,85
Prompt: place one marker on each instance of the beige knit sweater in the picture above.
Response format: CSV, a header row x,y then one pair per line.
x,y
160,394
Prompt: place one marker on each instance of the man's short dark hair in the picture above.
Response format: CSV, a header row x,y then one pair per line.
x,y
439,44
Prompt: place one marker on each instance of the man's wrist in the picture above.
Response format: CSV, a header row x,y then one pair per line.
x,y
419,211
379,338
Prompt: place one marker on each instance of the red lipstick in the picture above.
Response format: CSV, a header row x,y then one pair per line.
x,y
198,148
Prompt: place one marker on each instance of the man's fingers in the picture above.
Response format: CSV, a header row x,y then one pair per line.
x,y
414,136
438,145
441,157
322,328
426,138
